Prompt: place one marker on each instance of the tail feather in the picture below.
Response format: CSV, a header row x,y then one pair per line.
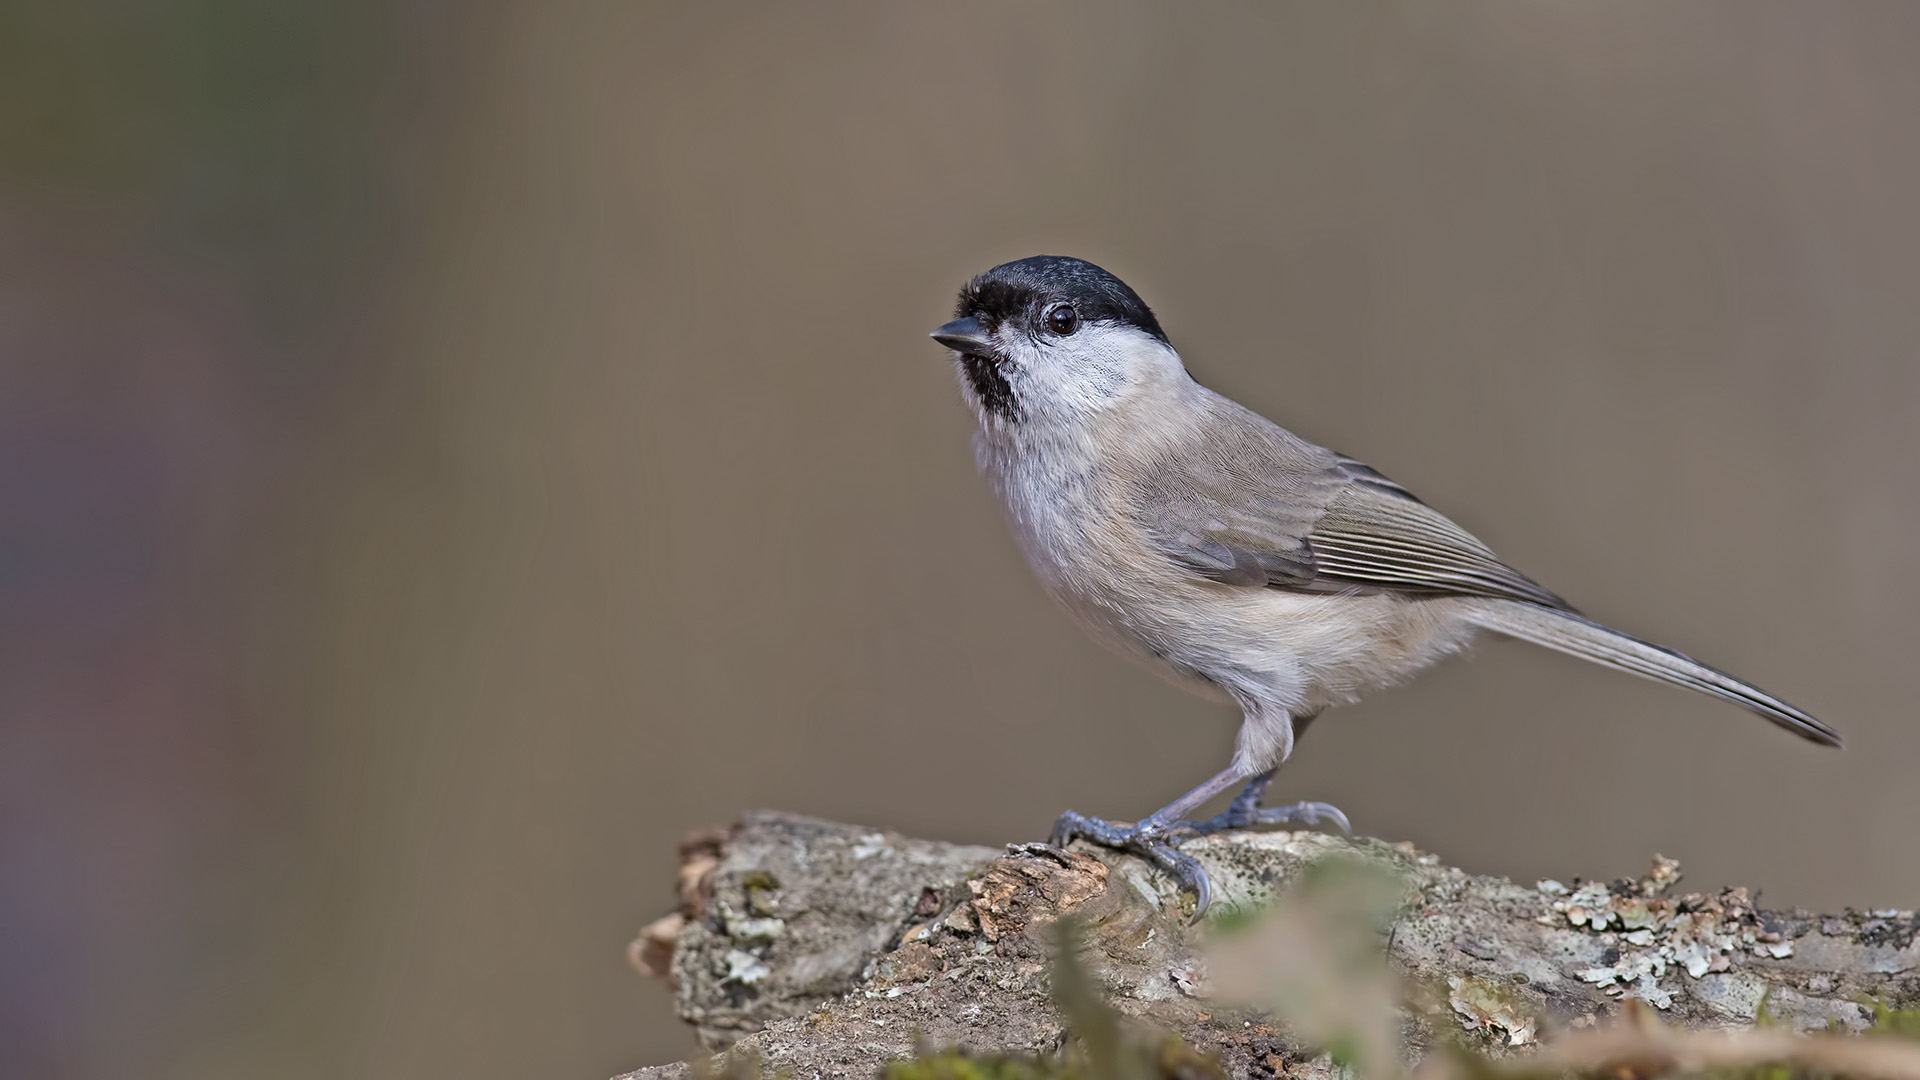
x,y
1584,638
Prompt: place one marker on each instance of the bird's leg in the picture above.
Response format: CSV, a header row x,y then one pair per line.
x,y
1249,798
1158,836
1245,809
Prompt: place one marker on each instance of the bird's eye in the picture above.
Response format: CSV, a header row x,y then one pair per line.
x,y
1061,318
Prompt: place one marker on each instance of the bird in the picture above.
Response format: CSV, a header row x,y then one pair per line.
x,y
1245,563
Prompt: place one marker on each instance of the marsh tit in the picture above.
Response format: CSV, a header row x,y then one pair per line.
x,y
1228,554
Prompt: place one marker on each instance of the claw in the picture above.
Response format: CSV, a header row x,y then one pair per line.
x,y
1202,887
1184,868
1306,813
1150,844
1159,842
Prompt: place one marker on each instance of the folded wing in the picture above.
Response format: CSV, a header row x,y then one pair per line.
x,y
1291,515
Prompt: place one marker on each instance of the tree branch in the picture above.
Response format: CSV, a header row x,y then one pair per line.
x,y
829,949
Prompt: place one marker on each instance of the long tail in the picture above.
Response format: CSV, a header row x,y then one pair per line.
x,y
1582,637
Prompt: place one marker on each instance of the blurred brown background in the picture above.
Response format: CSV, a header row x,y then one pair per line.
x,y
445,455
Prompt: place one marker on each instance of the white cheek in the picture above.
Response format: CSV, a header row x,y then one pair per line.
x,y
1085,374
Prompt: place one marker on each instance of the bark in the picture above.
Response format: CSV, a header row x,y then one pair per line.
x,y
829,949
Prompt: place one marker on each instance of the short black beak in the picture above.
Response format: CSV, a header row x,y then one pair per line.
x,y
965,335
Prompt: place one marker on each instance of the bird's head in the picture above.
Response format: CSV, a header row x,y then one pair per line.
x,y
1053,340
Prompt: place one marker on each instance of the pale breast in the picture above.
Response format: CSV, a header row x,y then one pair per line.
x,y
1090,553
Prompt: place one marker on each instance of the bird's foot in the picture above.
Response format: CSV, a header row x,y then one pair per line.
x,y
1237,816
1160,844
1146,840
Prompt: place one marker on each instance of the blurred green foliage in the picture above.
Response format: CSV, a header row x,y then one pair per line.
x,y
1887,1020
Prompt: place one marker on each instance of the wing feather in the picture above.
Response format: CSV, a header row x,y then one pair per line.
x,y
1399,543
1284,513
